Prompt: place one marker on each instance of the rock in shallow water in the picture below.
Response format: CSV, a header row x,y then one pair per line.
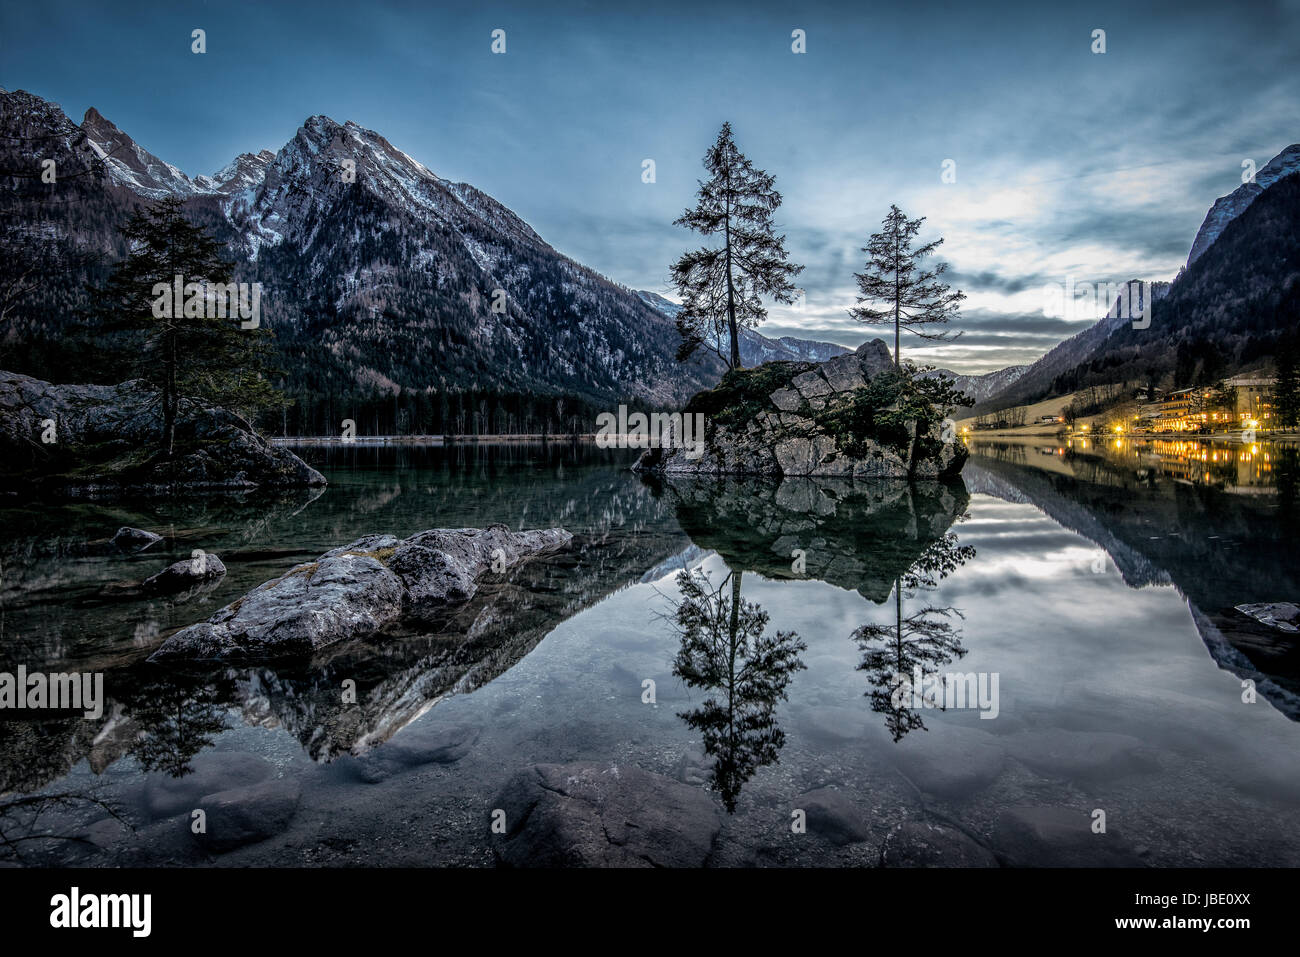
x,y
589,815
1080,754
239,816
950,762
410,751
130,539
185,574
356,590
1056,836
166,796
831,815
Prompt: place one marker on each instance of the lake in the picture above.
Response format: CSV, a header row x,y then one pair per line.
x,y
1119,712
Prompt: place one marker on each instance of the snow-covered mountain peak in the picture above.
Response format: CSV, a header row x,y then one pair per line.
x,y
245,172
1227,208
131,165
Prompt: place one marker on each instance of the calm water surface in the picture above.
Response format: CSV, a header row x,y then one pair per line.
x,y
1097,586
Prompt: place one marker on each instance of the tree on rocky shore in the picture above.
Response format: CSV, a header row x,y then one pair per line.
x,y
181,352
906,295
721,287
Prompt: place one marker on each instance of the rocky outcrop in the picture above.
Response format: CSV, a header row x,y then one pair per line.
x,y
355,591
816,420
85,440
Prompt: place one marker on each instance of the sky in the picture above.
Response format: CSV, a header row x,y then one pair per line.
x,y
1070,165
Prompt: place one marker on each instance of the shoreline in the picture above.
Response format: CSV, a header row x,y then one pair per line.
x,y
433,440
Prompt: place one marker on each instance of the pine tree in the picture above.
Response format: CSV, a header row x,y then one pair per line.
x,y
182,357
721,287
913,297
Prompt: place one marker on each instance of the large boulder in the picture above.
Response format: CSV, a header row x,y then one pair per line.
x,y
808,425
84,440
832,816
355,591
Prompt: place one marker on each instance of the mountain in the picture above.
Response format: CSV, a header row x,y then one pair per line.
x,y
1227,312
245,172
756,348
982,387
1056,373
130,165
1227,208
380,278
1040,378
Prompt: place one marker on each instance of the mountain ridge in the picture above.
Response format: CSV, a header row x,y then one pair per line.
x,y
380,277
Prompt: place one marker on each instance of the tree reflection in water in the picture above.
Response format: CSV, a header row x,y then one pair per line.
x,y
927,638
726,649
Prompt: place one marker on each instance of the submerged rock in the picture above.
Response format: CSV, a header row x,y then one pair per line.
x,y
166,796
1056,836
355,591
921,844
245,815
805,419
130,539
589,815
832,816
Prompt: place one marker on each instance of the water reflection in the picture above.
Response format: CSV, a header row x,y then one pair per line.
x,y
879,538
1196,524
1241,468
860,536
921,642
58,613
727,650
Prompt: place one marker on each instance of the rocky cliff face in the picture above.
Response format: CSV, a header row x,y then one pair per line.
x,y
88,439
836,418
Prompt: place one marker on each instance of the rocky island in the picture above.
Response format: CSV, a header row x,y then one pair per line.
x,y
852,416
87,440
